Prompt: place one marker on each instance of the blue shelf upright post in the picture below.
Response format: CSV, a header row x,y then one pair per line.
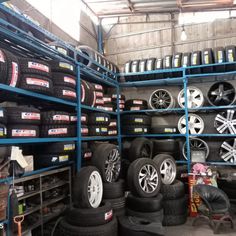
x,y
100,43
118,116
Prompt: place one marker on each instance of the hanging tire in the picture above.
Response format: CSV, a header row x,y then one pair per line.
x,y
104,230
89,217
148,186
37,83
23,115
167,168
136,119
61,79
63,67
140,148
51,131
144,204
88,188
65,93
114,190
99,118
55,118
106,158
173,220
22,131
173,191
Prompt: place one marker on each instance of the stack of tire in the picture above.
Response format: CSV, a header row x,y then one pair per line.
x,y
112,128
84,124
98,94
136,123
108,103
23,122
106,158
89,215
98,124
53,154
3,122
64,80
121,101
145,200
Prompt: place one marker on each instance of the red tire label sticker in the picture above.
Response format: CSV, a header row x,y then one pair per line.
x,y
99,94
73,118
112,124
2,58
83,118
98,87
38,66
112,132
84,130
30,116
87,155
15,73
23,133
69,80
99,101
108,108
57,131
61,117
37,82
135,108
107,99
69,93
66,66
109,215
137,102
82,93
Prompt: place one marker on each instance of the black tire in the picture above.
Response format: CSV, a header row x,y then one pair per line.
x,y
164,129
109,229
84,119
114,190
134,226
3,66
135,129
230,192
55,131
133,178
37,83
173,191
3,131
136,119
145,204
100,157
55,118
61,79
152,216
65,93
98,131
140,148
176,207
118,205
87,94
98,87
63,67
165,145
23,131
34,66
3,114
99,119
80,189
23,115
172,220
136,102
89,217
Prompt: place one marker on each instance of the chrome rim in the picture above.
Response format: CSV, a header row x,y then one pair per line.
x,y
161,99
228,150
221,94
168,171
95,189
225,122
195,98
148,178
195,124
196,144
112,165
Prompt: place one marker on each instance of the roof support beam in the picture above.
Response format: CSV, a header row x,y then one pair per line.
x,y
130,5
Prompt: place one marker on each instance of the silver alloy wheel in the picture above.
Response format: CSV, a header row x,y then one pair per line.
x,y
225,122
95,189
196,144
161,99
112,165
148,178
195,98
228,150
195,124
168,171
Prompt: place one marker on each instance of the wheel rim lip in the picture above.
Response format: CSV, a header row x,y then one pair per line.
x,y
181,95
169,95
180,125
233,153
112,166
155,181
169,179
194,139
95,201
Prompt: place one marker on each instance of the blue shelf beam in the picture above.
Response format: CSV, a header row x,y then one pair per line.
x,y
154,135
97,110
95,138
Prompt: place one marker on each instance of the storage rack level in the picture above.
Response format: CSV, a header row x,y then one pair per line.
x,y
186,78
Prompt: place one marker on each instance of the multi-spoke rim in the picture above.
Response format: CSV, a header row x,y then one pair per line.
x,y
228,150
112,165
148,178
195,98
95,189
168,171
196,144
195,124
161,99
221,94
225,122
